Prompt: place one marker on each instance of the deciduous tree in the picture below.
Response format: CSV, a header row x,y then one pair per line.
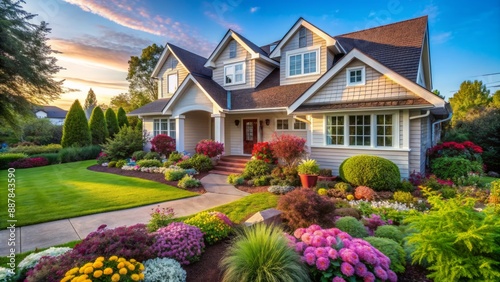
x,y
76,130
140,70
470,96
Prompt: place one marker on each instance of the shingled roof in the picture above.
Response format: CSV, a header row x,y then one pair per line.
x,y
154,107
397,46
52,111
193,62
252,46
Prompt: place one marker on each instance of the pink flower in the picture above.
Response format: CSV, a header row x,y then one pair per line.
x,y
338,279
380,273
392,276
331,241
310,258
361,269
306,238
332,253
321,252
299,247
318,241
299,232
319,233
322,263
313,228
385,262
309,250
369,277
347,269
349,256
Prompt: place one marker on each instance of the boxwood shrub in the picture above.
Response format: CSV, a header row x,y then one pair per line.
x,y
255,168
32,150
372,171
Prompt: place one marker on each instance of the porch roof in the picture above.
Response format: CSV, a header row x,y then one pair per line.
x,y
155,107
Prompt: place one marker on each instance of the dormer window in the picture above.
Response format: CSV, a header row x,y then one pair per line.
x,y
302,37
232,49
304,61
234,74
356,76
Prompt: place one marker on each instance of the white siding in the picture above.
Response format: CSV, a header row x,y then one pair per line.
x,y
293,44
241,55
196,128
377,87
261,72
193,96
167,70
425,142
415,144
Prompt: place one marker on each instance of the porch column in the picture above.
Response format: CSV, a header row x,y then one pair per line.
x,y
219,127
179,133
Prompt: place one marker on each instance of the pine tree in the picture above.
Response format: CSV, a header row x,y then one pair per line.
x,y
91,101
111,122
98,127
76,130
122,118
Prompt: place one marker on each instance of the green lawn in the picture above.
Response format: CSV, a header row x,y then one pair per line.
x,y
69,190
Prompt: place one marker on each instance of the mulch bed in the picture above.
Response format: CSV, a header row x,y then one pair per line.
x,y
207,269
252,189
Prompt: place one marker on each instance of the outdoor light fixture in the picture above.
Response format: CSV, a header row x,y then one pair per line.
x,y
268,121
237,122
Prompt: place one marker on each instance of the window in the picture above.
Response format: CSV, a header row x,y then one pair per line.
x,y
335,130
303,63
172,83
164,126
282,124
356,130
302,37
299,125
356,76
232,49
234,74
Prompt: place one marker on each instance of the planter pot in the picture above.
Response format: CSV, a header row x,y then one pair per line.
x,y
327,178
307,180
215,160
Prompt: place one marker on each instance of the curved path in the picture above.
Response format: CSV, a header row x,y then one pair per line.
x,y
52,233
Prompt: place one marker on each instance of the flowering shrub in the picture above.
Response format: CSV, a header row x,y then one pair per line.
x,y
188,181
209,148
417,178
153,169
160,218
332,253
179,241
174,174
163,144
466,150
280,190
494,198
163,269
262,151
31,260
112,269
372,222
102,158
29,162
364,193
215,226
288,148
6,274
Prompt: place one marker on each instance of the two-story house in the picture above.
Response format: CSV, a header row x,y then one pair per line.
x,y
365,92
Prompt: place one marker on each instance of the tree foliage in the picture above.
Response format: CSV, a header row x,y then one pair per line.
x,y
470,96
140,70
76,132
42,132
111,122
98,127
26,64
91,100
122,118
125,143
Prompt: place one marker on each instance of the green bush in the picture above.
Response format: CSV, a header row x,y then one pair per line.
x,y
174,174
451,168
372,171
256,168
447,192
112,164
200,162
6,158
352,212
149,163
111,122
41,132
121,163
406,186
235,179
261,180
175,156
52,158
34,150
285,176
325,184
152,156
403,197
344,187
185,164
139,155
188,181
459,242
214,228
352,226
76,130
168,163
125,142
392,250
262,253
74,154
391,232
98,128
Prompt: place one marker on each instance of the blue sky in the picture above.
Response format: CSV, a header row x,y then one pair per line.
x,y
97,38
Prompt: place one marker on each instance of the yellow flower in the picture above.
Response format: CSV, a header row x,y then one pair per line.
x,y
87,280
115,277
141,266
108,271
113,258
97,264
72,271
99,259
121,259
141,275
82,278
121,265
132,260
67,278
131,267
88,270
97,273
135,277
123,271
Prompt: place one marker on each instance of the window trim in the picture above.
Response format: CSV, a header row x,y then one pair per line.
x,y
176,83
276,124
160,131
396,130
243,63
302,51
297,121
363,76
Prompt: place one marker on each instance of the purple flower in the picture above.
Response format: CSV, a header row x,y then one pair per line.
x,y
318,241
385,262
347,269
392,276
322,263
299,232
349,256
313,228
300,246
309,250
310,258
380,273
361,269
338,279
332,253
369,277
331,241
321,252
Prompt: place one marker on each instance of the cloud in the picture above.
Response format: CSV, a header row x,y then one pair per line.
x,y
121,85
215,11
432,11
130,14
254,9
220,21
441,37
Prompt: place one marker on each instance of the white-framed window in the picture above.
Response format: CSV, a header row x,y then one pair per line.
x,y
164,126
234,74
302,37
303,61
355,76
282,124
172,83
299,125
361,130
232,49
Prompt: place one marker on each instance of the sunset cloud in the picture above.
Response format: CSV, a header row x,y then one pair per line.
x,y
121,85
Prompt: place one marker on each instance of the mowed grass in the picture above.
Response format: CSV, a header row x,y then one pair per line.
x,y
243,208
68,190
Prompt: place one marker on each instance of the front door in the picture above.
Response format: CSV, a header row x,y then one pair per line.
x,y
249,135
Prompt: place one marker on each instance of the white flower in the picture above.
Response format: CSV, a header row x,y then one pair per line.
x,y
163,270
32,260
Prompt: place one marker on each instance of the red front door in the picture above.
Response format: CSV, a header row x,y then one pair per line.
x,y
249,135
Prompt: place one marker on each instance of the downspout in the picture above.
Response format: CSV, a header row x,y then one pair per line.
x,y
438,122
421,116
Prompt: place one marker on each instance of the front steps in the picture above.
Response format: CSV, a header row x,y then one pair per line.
x,y
230,164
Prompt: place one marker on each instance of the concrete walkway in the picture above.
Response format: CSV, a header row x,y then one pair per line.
x,y
48,234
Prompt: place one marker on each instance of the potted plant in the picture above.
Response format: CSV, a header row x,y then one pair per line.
x,y
308,172
325,174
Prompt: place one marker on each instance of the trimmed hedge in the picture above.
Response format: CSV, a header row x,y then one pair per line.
x,y
75,154
7,158
33,150
52,158
372,171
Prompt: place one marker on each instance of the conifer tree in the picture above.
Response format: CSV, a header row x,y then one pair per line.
x,y
122,118
111,122
98,127
76,130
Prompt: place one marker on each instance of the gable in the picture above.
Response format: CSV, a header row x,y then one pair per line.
x,y
191,98
377,88
171,66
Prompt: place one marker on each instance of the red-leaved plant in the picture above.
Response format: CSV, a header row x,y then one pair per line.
x,y
467,150
163,144
29,162
209,148
288,148
262,151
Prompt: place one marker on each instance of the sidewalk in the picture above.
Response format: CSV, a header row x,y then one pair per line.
x,y
48,234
